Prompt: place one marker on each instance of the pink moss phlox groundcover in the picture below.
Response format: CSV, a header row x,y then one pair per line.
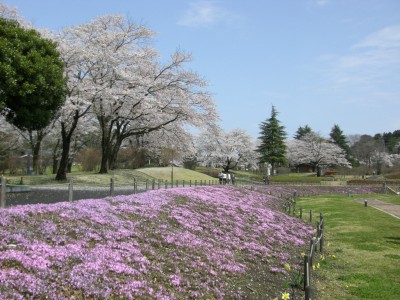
x,y
165,244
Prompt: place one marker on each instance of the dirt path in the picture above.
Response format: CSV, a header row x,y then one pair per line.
x,y
391,209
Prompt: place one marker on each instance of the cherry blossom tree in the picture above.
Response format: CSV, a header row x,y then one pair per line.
x,y
315,151
226,150
115,75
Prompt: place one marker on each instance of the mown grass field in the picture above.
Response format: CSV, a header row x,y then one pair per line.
x,y
120,176
366,244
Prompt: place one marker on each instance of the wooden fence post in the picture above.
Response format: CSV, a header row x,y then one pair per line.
x,y
301,213
3,194
71,190
153,184
310,215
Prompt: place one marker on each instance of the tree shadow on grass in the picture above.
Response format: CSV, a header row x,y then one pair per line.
x,y
393,240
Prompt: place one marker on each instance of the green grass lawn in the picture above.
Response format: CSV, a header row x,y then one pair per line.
x,y
366,244
164,173
121,177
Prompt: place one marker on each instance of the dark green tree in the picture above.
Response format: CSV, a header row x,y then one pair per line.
x,y
32,85
302,131
339,139
272,148
392,140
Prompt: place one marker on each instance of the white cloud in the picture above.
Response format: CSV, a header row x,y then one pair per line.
x,y
321,2
373,61
388,37
205,13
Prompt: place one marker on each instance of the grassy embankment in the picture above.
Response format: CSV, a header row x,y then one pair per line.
x,y
121,177
366,244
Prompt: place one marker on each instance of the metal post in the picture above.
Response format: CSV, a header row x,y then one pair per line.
x,y
301,213
308,293
71,190
306,272
3,201
310,215
183,183
147,184
111,186
366,203
166,184
310,259
321,241
195,182
153,184
135,187
190,182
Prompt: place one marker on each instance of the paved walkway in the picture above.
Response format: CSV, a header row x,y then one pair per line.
x,y
391,209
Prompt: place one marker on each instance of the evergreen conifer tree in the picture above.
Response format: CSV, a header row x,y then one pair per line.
x,y
272,148
302,131
339,139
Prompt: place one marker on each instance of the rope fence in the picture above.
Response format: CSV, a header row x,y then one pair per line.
x,y
72,191
316,244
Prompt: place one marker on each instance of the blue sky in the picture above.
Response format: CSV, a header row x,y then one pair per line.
x,y
319,62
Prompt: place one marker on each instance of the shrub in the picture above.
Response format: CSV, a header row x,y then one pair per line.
x,y
89,159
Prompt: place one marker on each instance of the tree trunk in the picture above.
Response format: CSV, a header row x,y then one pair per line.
x,y
66,143
62,166
36,144
105,148
114,153
319,171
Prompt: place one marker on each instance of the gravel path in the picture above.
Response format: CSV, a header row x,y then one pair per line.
x,y
391,209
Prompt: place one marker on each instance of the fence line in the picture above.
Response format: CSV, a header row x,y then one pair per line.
x,y
315,242
138,186
2,192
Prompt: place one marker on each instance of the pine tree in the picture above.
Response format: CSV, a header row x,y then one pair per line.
x,y
272,148
302,131
339,139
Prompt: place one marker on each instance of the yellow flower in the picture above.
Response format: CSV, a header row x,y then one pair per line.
x,y
322,257
287,267
302,254
285,296
316,266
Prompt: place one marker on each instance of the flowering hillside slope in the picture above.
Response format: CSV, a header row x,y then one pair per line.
x,y
184,243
